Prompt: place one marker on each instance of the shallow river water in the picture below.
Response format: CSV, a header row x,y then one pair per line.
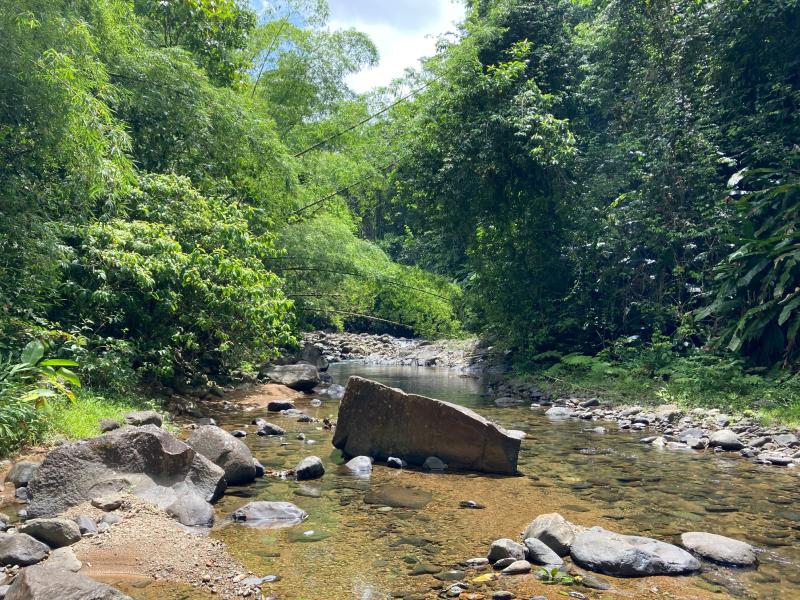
x,y
354,546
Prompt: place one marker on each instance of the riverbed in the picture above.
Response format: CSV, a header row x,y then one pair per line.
x,y
366,537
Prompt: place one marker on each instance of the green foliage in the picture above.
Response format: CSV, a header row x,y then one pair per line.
x,y
182,278
338,279
29,385
554,576
758,298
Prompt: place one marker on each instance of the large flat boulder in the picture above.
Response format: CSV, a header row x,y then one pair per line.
x,y
554,531
148,461
619,555
379,421
302,377
56,533
47,583
225,451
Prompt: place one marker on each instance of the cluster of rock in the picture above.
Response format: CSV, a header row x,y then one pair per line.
x,y
675,428
40,564
696,429
553,547
389,350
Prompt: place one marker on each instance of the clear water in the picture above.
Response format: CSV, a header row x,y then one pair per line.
x,y
350,549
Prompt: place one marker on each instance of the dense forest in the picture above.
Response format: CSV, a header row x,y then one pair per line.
x,y
608,190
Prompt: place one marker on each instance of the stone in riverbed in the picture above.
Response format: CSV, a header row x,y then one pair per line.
x,y
360,465
303,378
396,463
148,461
555,531
309,468
518,567
619,555
21,550
86,525
505,548
270,514
144,417
434,463
225,451
63,559
53,532
559,412
539,553
720,549
378,421
270,429
46,583
21,473
108,503
191,510
725,439
279,405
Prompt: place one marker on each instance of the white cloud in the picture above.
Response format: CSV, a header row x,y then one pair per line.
x,y
401,42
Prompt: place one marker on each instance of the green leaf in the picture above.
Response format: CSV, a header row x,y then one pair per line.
x,y
33,352
58,362
38,394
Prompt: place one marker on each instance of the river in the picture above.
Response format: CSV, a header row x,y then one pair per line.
x,y
349,548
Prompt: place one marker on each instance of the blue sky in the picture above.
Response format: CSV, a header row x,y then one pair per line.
x,y
403,30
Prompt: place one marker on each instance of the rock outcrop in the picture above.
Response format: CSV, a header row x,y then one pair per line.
x,y
378,421
148,461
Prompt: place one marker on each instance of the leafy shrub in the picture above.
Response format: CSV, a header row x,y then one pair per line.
x,y
181,281
26,385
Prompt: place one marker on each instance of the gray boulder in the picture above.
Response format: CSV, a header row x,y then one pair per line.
x,y
539,553
63,559
378,421
434,463
86,525
554,531
107,425
505,548
270,429
270,514
22,473
518,567
53,532
144,417
148,461
559,412
725,439
191,510
720,549
619,555
21,550
225,451
303,377
310,467
46,583
360,465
